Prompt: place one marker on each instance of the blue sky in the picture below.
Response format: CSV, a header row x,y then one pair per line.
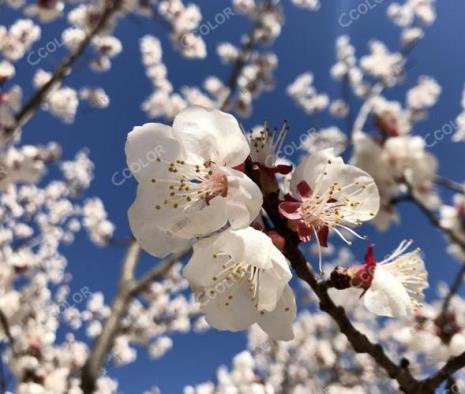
x,y
306,44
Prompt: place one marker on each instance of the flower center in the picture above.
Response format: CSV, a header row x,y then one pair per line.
x,y
233,272
322,210
309,210
266,145
215,185
193,183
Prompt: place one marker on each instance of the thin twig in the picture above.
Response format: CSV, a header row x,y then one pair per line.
x,y
244,56
157,273
365,110
453,365
449,184
433,218
451,234
3,384
6,329
453,289
25,113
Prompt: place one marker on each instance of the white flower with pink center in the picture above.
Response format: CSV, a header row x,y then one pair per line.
x,y
393,287
45,10
188,187
241,278
328,195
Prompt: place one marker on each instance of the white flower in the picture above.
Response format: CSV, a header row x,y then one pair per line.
x,y
227,52
96,97
241,278
393,287
452,216
244,6
63,103
424,95
390,117
187,186
412,35
400,157
45,11
460,122
15,42
339,108
381,63
73,36
95,221
328,195
7,70
160,347
331,137
305,94
312,5
107,45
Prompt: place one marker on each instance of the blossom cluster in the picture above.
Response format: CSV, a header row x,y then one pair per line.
x,y
230,197
198,189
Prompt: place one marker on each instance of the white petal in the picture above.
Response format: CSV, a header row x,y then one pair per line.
x,y
151,238
184,221
273,281
202,267
145,144
150,197
313,166
457,345
387,296
278,324
411,271
244,200
203,219
229,307
365,194
211,135
254,248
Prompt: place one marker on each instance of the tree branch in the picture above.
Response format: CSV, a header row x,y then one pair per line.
x,y
244,56
453,289
359,341
104,343
158,272
452,366
449,184
6,329
26,112
128,289
365,110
